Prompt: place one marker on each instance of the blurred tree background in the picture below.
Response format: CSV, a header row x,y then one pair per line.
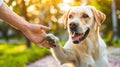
x,y
49,12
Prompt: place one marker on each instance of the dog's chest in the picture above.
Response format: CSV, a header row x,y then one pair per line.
x,y
86,53
82,55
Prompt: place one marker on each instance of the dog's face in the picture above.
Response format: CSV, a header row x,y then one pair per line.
x,y
80,20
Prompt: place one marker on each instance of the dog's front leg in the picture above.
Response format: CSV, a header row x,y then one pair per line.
x,y
60,54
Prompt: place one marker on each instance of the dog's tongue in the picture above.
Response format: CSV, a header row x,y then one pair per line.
x,y
76,37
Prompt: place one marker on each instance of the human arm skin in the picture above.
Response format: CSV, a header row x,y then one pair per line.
x,y
34,32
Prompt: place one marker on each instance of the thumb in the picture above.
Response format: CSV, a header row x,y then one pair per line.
x,y
44,27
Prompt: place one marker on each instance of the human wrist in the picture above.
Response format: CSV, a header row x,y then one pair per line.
x,y
24,27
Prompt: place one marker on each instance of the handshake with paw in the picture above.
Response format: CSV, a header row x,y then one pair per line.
x,y
49,41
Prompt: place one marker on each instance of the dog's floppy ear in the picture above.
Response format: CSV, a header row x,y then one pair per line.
x,y
65,18
98,15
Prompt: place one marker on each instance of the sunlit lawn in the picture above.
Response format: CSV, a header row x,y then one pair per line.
x,y
19,56
113,43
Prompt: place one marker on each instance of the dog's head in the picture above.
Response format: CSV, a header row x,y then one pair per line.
x,y
81,20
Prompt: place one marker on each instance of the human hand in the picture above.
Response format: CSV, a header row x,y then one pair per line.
x,y
36,34
33,32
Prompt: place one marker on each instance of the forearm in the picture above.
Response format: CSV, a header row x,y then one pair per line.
x,y
33,32
11,18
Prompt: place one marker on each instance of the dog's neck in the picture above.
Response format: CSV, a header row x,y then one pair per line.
x,y
93,41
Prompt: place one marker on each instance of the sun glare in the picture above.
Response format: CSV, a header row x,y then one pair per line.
x,y
27,2
13,3
68,1
31,8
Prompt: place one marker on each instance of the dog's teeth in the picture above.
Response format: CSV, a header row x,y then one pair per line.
x,y
73,33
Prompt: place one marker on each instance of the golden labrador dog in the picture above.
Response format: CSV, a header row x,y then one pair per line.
x,y
85,47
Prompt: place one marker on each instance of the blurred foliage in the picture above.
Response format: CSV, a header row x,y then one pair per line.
x,y
49,12
18,55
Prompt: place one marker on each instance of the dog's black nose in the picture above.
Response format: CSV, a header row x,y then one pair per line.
x,y
73,26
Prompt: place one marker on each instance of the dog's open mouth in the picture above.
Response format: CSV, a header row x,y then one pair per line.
x,y
78,37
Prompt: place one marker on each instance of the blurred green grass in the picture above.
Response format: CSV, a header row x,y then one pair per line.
x,y
19,56
111,42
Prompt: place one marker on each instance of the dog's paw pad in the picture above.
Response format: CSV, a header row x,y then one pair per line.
x,y
52,40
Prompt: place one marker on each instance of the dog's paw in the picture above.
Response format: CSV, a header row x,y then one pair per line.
x,y
52,40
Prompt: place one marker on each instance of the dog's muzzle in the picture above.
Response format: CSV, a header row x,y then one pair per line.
x,y
78,37
73,26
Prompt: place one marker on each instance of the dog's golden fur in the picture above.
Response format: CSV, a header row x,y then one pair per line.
x,y
91,51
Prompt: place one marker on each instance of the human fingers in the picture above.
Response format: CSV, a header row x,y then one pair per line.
x,y
44,27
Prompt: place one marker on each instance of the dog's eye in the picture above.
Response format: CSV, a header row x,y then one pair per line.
x,y
85,16
70,16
